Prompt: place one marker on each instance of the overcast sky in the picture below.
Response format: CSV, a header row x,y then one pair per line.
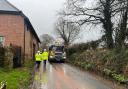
x,y
43,14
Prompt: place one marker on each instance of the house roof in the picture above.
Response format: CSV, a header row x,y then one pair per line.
x,y
7,8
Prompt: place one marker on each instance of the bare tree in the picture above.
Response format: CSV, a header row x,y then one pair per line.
x,y
46,40
102,12
122,32
67,31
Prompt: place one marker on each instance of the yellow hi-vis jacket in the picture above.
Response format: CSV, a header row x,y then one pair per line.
x,y
45,56
38,57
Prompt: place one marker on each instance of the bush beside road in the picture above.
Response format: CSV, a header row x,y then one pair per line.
x,y
110,63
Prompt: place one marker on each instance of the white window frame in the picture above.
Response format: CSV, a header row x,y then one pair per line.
x,y
3,40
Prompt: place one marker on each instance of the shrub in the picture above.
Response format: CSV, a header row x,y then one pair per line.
x,y
125,70
107,72
6,57
118,77
110,62
82,47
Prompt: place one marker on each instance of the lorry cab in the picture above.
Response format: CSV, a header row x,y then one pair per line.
x,y
57,53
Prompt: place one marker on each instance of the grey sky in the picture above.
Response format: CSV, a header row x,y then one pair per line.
x,y
42,14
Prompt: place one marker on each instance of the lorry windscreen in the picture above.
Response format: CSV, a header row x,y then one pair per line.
x,y
58,48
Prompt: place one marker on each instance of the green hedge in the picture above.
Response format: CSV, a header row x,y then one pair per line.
x,y
101,59
118,77
82,47
6,57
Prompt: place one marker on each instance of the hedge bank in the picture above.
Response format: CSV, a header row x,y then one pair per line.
x,y
6,57
111,63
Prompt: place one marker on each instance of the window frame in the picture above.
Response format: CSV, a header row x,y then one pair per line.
x,y
2,40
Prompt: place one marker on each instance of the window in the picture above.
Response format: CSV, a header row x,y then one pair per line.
x,y
58,48
1,40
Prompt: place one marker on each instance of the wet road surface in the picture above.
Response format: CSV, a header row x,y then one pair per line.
x,y
64,76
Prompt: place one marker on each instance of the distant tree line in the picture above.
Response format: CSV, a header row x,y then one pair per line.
x,y
112,15
46,40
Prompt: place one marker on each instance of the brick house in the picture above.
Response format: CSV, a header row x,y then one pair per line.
x,y
16,29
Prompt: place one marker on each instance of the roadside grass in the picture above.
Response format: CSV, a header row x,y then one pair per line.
x,y
18,78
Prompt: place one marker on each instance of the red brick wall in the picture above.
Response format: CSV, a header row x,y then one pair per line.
x,y
36,44
12,28
30,40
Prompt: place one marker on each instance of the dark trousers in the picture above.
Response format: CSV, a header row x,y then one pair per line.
x,y
38,64
45,63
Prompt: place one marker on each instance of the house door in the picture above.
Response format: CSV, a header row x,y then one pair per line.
x,y
17,56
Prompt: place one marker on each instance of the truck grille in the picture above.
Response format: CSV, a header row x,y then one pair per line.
x,y
58,54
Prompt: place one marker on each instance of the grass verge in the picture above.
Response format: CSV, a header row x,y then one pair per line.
x,y
18,78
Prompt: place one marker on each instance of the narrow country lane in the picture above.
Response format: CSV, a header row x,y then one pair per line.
x,y
64,76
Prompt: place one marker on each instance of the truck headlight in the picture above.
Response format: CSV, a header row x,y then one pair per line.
x,y
51,56
64,57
